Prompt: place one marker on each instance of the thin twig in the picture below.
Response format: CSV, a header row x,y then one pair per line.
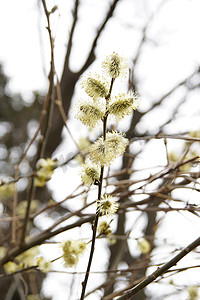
x,y
166,136
59,103
14,206
161,270
94,227
41,237
50,96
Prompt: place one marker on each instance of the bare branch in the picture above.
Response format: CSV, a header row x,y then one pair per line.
x,y
69,45
91,56
160,271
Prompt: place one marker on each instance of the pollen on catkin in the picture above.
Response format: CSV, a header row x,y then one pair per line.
x,y
89,113
43,264
123,105
23,260
71,252
70,260
115,66
95,86
97,152
104,228
90,173
107,205
116,143
104,152
26,259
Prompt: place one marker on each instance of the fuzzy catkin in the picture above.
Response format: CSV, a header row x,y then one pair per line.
x,y
115,65
104,152
95,86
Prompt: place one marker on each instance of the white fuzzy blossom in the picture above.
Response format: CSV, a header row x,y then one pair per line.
x,y
116,143
105,151
71,251
115,65
89,113
90,173
95,86
123,105
107,205
104,228
97,152
43,264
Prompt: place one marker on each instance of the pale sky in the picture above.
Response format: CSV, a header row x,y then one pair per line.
x,y
25,52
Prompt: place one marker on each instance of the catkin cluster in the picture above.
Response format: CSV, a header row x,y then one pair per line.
x,y
97,108
24,260
71,252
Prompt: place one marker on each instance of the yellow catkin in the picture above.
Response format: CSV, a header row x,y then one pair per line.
x,y
115,66
95,86
89,113
90,173
71,252
104,152
107,205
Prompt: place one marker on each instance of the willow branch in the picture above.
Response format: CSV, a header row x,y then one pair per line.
x,y
69,45
59,103
160,271
94,228
40,238
45,131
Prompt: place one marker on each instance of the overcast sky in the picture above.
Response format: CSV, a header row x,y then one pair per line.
x,y
25,47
